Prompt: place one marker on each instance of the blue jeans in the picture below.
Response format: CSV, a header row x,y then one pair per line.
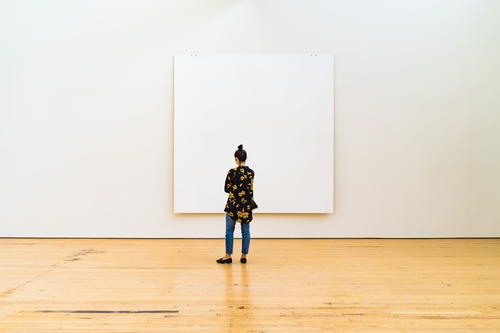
x,y
245,233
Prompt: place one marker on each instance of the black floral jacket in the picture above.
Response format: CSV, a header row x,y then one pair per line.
x,y
239,185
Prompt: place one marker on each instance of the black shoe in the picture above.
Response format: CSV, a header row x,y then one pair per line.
x,y
224,261
243,260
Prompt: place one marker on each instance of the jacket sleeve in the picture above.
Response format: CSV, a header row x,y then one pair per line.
x,y
228,183
253,204
250,188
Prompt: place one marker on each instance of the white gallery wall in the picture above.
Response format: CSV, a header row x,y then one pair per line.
x,y
86,114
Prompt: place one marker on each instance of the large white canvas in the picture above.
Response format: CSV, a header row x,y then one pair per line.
x,y
279,106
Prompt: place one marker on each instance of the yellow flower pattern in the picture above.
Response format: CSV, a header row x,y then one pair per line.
x,y
242,214
239,185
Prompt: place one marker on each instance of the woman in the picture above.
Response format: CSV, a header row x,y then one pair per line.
x,y
239,205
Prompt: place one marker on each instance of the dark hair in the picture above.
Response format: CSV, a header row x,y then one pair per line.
x,y
241,154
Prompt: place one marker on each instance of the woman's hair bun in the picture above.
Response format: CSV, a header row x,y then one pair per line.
x,y
241,154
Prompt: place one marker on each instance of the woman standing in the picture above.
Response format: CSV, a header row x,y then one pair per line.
x,y
239,205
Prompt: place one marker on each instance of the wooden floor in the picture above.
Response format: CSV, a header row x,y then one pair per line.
x,y
299,285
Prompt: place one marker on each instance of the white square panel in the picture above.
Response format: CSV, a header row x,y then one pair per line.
x,y
279,106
